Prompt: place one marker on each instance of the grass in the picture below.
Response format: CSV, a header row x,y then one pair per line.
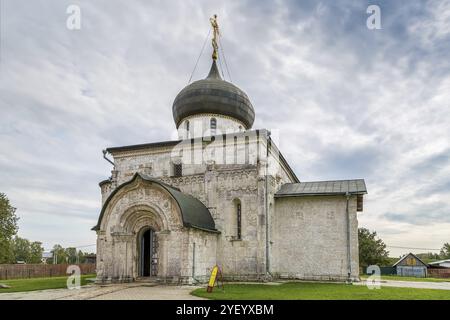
x,y
32,284
399,278
318,291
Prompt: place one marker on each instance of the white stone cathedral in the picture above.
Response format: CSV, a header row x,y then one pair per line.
x,y
221,195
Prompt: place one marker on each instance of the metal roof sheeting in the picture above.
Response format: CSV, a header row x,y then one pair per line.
x,y
439,262
314,188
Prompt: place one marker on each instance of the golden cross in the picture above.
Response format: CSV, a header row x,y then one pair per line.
x,y
215,37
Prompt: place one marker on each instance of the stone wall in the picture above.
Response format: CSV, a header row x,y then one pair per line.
x,y
202,254
223,186
200,125
309,238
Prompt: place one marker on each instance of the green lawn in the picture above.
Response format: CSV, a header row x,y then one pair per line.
x,y
318,291
39,283
399,278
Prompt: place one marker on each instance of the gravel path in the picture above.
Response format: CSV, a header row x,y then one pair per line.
x,y
108,292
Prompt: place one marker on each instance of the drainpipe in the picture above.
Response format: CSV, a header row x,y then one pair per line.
x,y
104,157
194,279
193,261
349,257
268,141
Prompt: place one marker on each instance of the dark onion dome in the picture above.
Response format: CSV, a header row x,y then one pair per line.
x,y
213,95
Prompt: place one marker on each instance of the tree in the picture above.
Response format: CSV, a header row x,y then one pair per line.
x,y
68,255
59,254
8,228
81,257
36,251
428,257
21,249
71,254
371,250
445,251
24,250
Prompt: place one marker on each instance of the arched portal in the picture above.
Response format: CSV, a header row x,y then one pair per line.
x,y
148,253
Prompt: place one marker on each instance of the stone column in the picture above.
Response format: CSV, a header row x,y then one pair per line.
x,y
123,264
163,247
100,266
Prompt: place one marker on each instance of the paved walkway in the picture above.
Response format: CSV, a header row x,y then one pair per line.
x,y
412,284
108,292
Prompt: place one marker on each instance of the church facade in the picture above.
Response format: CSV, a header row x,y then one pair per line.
x,y
222,194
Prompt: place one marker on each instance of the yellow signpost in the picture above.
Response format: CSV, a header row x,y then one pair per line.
x,y
213,278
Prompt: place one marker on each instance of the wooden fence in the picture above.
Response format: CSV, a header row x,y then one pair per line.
x,y
383,271
18,271
438,273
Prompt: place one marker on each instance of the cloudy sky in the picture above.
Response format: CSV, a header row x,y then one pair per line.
x,y
349,102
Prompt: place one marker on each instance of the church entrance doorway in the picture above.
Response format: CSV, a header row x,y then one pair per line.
x,y
148,253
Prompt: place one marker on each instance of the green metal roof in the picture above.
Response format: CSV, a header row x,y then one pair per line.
x,y
194,213
315,188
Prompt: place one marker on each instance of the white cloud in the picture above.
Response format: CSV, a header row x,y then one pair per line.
x,y
437,26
